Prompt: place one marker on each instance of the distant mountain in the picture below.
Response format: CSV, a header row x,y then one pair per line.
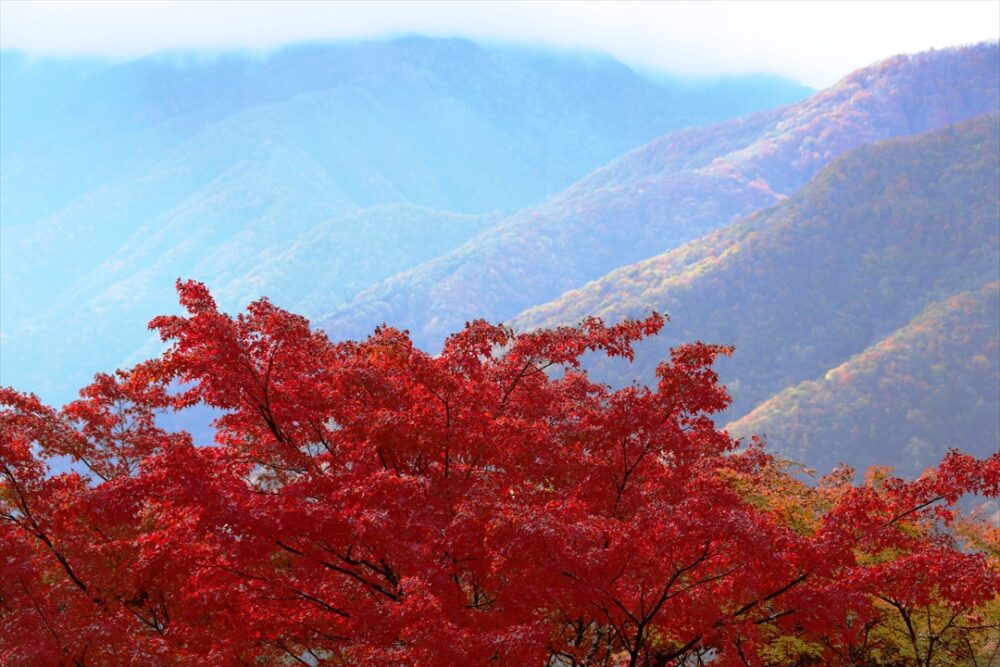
x,y
308,270
673,190
872,241
328,264
397,121
119,177
932,385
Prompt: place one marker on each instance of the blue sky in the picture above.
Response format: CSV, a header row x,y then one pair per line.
x,y
813,42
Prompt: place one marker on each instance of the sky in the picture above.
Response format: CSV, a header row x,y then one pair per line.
x,y
813,42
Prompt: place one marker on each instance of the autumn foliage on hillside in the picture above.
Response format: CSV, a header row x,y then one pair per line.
x,y
366,503
933,382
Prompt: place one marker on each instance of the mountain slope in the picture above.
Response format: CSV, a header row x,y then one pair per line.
x,y
119,177
308,271
932,385
671,191
799,288
398,118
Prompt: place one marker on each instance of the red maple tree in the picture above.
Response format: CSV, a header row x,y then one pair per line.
x,y
367,503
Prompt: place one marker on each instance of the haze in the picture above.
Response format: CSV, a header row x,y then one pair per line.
x,y
815,43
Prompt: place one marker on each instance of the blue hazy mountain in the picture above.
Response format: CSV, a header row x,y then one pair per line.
x,y
673,190
307,174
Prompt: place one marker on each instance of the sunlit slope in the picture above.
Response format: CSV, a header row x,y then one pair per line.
x,y
673,190
932,385
802,287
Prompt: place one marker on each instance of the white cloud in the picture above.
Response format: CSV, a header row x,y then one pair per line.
x,y
814,42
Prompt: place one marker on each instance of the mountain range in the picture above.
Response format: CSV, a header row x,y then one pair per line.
x,y
824,282
118,178
846,242
670,191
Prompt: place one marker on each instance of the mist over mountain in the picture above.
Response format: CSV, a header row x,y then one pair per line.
x,y
120,177
672,190
389,120
851,261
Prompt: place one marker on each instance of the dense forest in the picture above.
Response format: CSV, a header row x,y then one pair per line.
x,y
929,386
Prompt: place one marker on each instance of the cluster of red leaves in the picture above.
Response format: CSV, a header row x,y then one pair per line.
x,y
367,503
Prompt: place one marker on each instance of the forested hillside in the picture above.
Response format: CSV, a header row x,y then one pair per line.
x,y
932,385
388,121
800,288
119,177
673,190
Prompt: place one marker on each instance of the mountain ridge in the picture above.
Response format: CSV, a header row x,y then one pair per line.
x,y
111,171
652,199
799,288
